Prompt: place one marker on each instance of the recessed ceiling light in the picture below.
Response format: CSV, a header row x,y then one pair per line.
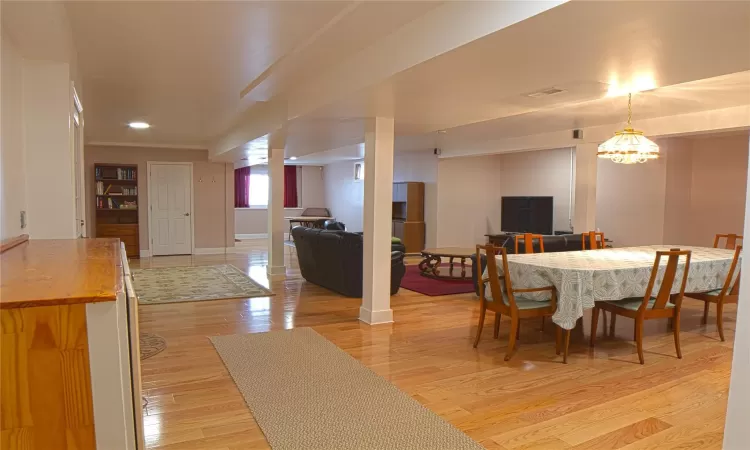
x,y
293,158
139,125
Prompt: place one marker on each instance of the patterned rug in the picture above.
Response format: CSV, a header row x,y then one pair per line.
x,y
195,283
151,345
306,393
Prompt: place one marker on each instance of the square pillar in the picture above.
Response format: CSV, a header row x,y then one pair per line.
x,y
276,143
584,212
376,295
736,430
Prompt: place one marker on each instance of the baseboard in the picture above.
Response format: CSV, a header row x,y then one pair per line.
x,y
251,236
287,237
375,317
145,253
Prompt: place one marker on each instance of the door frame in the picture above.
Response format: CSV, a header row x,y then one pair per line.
x,y
79,171
192,203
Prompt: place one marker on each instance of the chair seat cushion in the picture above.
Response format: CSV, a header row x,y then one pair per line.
x,y
634,303
521,302
715,292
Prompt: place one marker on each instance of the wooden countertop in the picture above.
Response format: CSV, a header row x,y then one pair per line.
x,y
60,272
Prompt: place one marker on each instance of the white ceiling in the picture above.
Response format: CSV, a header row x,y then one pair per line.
x,y
182,65
194,70
477,91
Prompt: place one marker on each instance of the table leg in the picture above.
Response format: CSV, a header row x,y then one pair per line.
x,y
463,267
450,270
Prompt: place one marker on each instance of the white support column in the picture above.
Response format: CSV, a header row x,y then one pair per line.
x,y
584,214
736,431
276,228
376,295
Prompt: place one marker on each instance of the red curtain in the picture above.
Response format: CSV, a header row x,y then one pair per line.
x,y
242,187
290,186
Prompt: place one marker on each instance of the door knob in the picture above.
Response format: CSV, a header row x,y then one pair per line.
x,y
187,214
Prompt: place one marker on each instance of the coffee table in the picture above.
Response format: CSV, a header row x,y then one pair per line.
x,y
433,257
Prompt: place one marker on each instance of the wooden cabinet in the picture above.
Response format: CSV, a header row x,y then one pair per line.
x,y
127,233
408,215
70,357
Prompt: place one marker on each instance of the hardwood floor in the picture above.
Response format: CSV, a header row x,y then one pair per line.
x,y
602,399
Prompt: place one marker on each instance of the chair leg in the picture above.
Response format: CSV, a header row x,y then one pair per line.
x,y
720,319
604,322
512,337
705,313
482,312
566,344
676,330
496,330
594,324
639,338
612,319
543,323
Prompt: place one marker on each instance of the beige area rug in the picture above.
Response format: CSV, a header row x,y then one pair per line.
x,y
194,283
306,393
151,345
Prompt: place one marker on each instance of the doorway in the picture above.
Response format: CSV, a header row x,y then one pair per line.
x,y
170,208
78,176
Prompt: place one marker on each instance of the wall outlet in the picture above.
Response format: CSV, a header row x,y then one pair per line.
x,y
23,219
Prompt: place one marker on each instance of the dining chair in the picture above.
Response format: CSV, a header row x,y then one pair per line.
x,y
727,294
731,240
528,242
516,307
663,305
595,240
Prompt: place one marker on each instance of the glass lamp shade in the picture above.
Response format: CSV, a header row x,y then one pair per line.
x,y
629,146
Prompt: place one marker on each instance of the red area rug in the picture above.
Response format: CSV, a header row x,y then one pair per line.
x,y
414,281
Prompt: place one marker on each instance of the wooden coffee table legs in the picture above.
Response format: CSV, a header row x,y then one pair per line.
x,y
430,267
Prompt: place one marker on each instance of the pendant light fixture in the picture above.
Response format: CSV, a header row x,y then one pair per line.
x,y
629,146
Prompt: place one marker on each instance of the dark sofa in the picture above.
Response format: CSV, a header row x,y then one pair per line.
x,y
333,259
558,243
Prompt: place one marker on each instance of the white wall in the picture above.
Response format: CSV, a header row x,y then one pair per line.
x,y
344,196
50,189
12,155
470,191
311,191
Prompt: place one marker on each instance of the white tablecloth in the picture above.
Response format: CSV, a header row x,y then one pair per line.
x,y
582,277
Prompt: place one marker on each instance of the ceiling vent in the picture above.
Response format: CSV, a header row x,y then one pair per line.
x,y
545,92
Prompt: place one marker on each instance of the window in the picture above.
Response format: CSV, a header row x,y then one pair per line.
x,y
359,171
251,187
258,189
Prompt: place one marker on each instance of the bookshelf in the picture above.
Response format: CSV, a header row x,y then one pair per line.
x,y
116,201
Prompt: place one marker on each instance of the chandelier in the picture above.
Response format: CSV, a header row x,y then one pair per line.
x,y
629,146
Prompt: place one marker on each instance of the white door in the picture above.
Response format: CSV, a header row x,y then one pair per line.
x,y
170,209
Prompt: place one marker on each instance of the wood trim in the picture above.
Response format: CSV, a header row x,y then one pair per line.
x,y
12,242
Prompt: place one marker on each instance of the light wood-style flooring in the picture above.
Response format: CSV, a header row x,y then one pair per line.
x,y
602,399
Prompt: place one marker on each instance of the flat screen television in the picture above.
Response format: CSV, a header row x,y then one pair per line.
x,y
527,215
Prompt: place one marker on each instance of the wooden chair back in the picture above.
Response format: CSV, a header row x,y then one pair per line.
x,y
731,240
728,289
493,275
670,273
595,240
528,242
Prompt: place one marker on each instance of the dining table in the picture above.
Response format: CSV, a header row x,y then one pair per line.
x,y
587,276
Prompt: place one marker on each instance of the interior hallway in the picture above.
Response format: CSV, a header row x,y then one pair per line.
x,y
602,399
